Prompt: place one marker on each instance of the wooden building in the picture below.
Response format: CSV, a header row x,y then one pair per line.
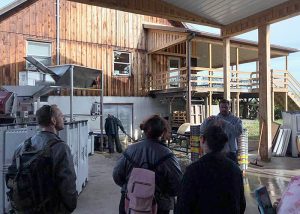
x,y
96,37
144,55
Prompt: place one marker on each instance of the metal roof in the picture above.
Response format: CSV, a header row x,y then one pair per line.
x,y
225,11
11,6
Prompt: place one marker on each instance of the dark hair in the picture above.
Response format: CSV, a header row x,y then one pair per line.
x,y
224,101
155,127
215,138
44,114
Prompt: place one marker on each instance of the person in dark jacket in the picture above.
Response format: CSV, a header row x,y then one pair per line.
x,y
214,183
150,151
231,125
112,125
51,120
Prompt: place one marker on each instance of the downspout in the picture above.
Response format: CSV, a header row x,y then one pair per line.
x,y
188,65
57,32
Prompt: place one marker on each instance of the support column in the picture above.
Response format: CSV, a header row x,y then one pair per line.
x,y
272,105
265,91
226,67
206,107
286,98
238,104
237,56
210,73
188,66
233,106
210,103
286,76
149,79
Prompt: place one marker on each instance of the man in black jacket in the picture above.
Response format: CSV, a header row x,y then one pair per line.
x,y
64,199
112,125
213,184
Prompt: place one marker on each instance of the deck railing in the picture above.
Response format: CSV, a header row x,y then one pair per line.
x,y
294,88
210,79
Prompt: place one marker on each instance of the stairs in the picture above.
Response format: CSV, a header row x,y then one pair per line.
x,y
293,95
293,102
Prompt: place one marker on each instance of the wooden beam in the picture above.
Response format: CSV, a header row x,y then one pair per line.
x,y
188,66
238,104
265,92
167,45
226,67
156,8
286,98
210,103
206,106
286,102
277,13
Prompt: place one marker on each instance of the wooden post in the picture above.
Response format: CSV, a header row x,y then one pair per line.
x,y
226,67
286,98
210,103
188,66
272,96
206,106
210,73
265,91
233,106
286,76
237,68
238,104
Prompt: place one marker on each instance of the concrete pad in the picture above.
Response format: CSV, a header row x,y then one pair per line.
x,y
101,194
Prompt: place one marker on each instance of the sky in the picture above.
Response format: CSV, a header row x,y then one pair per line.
x,y
285,33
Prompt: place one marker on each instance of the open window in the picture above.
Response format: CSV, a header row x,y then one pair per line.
x,y
41,51
174,73
122,63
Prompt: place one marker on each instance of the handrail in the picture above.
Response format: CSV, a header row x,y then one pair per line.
x,y
294,87
213,78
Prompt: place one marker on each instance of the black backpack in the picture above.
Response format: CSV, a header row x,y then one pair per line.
x,y
30,180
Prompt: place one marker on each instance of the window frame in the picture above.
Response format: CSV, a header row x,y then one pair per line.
x,y
177,84
123,63
44,57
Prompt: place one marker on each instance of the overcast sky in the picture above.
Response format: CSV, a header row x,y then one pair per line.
x,y
285,33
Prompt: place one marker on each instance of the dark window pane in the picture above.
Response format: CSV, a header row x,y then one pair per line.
x,y
174,63
121,69
45,60
194,62
121,57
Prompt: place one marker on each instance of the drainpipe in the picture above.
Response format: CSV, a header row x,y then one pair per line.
x,y
57,32
71,70
188,65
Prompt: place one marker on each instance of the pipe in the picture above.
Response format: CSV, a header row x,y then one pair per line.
x,y
71,92
57,32
188,65
101,107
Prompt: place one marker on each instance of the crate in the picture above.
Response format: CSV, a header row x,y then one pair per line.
x,y
178,118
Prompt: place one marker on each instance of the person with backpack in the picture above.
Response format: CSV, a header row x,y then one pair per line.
x,y
214,183
41,178
148,172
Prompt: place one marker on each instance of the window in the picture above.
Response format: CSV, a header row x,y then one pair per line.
x,y
174,74
41,51
122,63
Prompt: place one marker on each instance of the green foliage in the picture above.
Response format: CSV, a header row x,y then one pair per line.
x,y
277,112
253,129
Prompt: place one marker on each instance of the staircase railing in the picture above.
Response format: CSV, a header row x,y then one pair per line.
x,y
294,88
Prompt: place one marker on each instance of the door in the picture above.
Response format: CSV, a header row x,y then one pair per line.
x,y
124,112
174,73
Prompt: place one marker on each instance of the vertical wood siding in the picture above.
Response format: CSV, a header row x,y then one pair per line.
x,y
89,35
